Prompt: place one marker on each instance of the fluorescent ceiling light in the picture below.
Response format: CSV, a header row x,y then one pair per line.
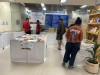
x,y
23,4
42,4
44,9
84,6
63,1
27,10
11,0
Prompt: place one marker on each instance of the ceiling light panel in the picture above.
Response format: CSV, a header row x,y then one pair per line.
x,y
63,1
84,6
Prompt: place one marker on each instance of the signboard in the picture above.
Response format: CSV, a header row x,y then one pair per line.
x,y
52,20
58,12
26,45
34,16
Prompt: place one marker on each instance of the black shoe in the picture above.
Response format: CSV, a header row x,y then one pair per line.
x,y
70,67
63,64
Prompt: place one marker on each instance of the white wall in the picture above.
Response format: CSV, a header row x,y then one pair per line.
x,y
11,12
5,15
17,13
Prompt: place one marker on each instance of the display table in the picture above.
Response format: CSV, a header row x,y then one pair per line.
x,y
5,38
17,34
1,41
35,53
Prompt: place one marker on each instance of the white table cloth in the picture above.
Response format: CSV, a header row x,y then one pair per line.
x,y
83,53
37,54
17,34
1,41
6,37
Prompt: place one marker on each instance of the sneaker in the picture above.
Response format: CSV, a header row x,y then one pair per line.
x,y
63,64
70,67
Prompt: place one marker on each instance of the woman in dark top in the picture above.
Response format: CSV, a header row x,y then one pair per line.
x,y
38,27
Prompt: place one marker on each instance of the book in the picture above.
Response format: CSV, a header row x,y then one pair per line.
x,y
93,29
95,20
91,21
98,20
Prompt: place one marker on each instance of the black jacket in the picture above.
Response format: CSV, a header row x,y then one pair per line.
x,y
61,29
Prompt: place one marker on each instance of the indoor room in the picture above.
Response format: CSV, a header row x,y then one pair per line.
x,y
49,37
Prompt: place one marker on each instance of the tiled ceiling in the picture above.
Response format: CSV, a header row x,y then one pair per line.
x,y
69,2
51,7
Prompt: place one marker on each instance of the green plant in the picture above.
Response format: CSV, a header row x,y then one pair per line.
x,y
94,54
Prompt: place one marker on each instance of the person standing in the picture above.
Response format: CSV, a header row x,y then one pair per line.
x,y
60,31
26,26
38,27
74,37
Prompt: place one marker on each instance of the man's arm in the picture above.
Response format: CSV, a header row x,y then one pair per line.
x,y
67,33
64,29
59,28
29,25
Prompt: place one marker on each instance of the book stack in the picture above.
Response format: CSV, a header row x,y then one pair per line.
x,y
95,20
92,38
94,11
94,30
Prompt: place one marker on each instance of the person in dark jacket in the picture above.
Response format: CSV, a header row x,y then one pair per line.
x,y
60,32
38,27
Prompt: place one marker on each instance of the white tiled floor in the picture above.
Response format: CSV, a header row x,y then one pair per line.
x,y
52,66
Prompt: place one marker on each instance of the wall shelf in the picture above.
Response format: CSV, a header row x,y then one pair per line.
x,y
95,14
92,33
91,36
93,23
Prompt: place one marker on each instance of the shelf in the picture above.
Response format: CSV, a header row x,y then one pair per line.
x,y
92,33
94,23
95,14
90,41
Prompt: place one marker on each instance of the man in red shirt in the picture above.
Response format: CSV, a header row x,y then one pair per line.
x,y
74,37
26,26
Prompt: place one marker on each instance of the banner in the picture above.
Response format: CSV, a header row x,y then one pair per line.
x,y
48,21
52,20
26,45
34,16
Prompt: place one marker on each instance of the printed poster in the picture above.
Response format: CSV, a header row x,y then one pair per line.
x,y
34,16
26,45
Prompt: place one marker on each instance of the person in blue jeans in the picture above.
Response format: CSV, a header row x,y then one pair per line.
x,y
74,37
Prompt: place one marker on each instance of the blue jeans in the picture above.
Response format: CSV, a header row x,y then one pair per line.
x,y
71,49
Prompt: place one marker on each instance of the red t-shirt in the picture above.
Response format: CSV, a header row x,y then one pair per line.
x,y
74,34
26,26
38,28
